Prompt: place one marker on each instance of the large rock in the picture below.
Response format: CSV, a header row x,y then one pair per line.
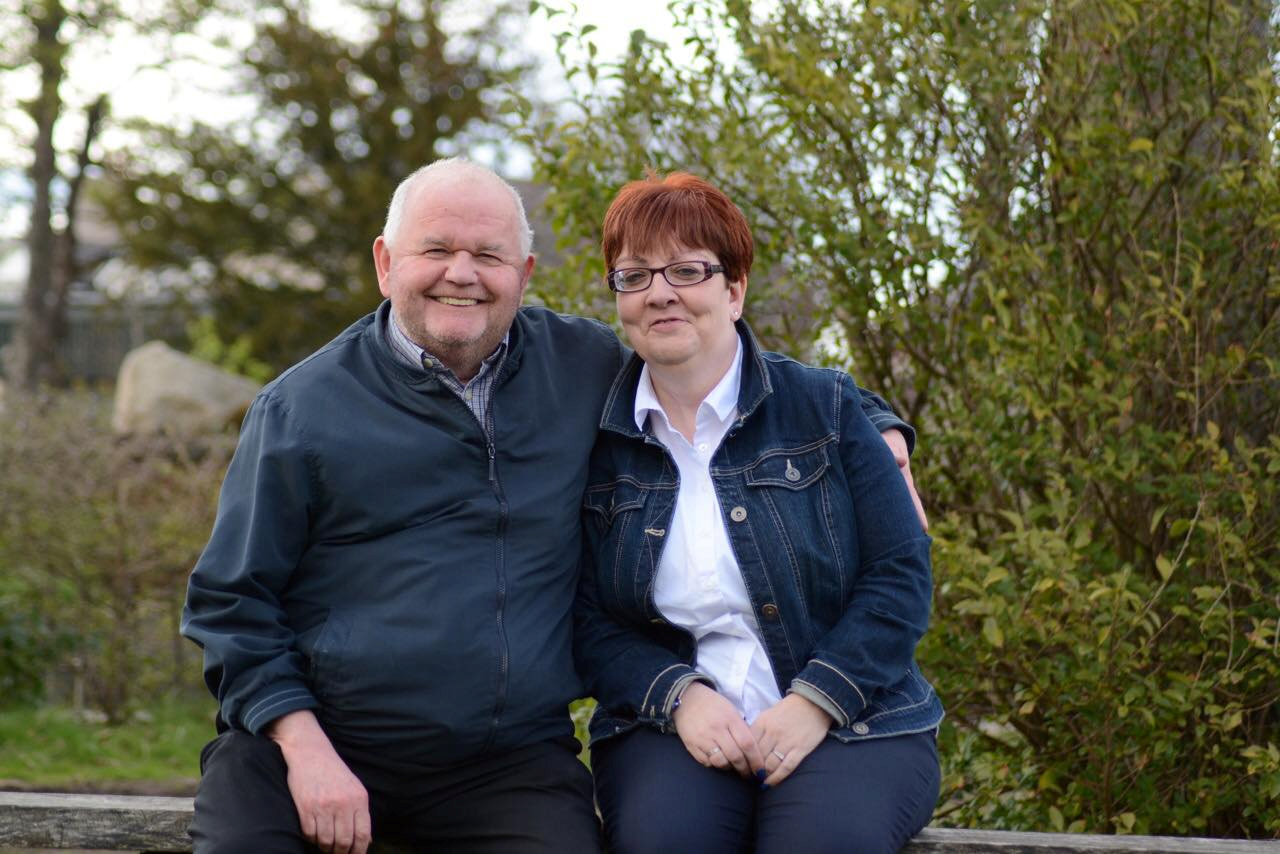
x,y
163,391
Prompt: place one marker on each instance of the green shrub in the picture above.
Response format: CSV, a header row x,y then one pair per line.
x,y
97,535
1050,233
29,646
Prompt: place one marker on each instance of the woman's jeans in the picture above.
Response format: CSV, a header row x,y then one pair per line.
x,y
861,797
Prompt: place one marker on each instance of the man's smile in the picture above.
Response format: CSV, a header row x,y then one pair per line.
x,y
456,300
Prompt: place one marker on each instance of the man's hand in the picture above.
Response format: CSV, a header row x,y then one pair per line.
x,y
787,732
898,444
714,733
333,805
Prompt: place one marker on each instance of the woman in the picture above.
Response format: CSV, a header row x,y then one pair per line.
x,y
756,577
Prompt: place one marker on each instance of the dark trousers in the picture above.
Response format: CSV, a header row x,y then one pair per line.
x,y
864,797
535,799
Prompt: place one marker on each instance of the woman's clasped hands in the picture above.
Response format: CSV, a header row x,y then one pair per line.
x,y
715,734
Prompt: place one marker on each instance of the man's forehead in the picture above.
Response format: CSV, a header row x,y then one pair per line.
x,y
443,210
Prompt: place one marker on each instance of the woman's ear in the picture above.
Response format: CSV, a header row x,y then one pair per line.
x,y
737,297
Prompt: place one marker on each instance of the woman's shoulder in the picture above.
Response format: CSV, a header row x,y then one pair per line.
x,y
789,375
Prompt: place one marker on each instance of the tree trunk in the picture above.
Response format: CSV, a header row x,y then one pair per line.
x,y
32,357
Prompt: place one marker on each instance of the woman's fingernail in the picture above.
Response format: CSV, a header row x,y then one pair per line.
x,y
761,774
764,787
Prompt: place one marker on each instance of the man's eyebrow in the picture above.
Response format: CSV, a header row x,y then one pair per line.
x,y
431,241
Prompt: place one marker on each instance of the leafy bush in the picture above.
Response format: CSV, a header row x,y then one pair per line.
x,y
1051,234
97,535
28,647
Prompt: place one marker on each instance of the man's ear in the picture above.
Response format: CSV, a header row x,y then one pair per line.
x,y
526,273
382,263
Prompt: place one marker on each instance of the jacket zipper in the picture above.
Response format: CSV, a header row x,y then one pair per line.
x,y
500,695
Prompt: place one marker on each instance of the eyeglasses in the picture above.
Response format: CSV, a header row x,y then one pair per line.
x,y
681,274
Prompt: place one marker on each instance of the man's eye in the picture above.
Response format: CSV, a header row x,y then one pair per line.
x,y
488,260
437,252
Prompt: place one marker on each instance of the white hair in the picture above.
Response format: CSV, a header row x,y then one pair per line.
x,y
446,168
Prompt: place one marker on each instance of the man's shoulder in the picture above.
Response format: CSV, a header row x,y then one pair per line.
x,y
540,320
545,328
313,373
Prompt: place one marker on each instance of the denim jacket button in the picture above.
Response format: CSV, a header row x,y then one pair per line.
x,y
770,611
738,513
861,729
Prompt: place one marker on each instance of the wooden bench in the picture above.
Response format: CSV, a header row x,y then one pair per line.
x,y
134,823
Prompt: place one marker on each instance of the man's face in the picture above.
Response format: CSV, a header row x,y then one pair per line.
x,y
454,273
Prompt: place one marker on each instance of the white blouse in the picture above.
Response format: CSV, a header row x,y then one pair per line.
x,y
699,586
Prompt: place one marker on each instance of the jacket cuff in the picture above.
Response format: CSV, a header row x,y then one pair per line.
x,y
834,687
822,701
275,700
883,421
662,693
684,682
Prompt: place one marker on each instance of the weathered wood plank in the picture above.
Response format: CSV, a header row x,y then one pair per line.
x,y
133,823
937,840
109,822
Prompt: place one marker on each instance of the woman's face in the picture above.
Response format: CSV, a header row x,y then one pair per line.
x,y
690,326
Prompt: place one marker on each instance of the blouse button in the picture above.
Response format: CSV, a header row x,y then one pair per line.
x,y
770,611
738,513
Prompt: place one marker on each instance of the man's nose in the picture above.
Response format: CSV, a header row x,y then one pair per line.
x,y
462,267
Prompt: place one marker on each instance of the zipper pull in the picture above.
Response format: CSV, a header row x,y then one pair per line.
x,y
493,471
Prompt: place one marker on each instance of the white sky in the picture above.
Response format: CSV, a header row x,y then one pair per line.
x,y
195,88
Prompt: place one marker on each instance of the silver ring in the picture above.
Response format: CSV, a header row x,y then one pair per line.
x,y
712,752
781,758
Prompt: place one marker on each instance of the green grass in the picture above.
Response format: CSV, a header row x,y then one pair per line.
x,y
52,748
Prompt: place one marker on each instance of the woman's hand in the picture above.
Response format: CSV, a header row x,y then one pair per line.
x,y
714,733
787,732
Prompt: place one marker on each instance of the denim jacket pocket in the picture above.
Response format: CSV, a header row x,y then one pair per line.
x,y
604,502
624,548
797,488
791,468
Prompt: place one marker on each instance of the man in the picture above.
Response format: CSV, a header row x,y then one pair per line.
x,y
385,599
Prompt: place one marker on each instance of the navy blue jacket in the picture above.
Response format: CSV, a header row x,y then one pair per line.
x,y
823,529
377,560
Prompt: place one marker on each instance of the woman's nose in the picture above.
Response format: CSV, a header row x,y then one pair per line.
x,y
661,292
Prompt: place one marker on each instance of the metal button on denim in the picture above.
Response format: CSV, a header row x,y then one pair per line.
x,y
770,611
861,729
738,513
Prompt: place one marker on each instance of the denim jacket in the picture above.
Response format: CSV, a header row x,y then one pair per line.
x,y
820,521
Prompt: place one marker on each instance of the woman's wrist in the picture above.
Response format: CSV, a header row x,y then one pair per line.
x,y
835,716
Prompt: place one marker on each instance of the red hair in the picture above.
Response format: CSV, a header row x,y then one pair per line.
x,y
649,215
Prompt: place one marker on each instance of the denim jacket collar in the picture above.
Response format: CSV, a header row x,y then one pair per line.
x,y
619,406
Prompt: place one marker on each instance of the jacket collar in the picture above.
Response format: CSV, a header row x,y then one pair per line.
x,y
619,406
